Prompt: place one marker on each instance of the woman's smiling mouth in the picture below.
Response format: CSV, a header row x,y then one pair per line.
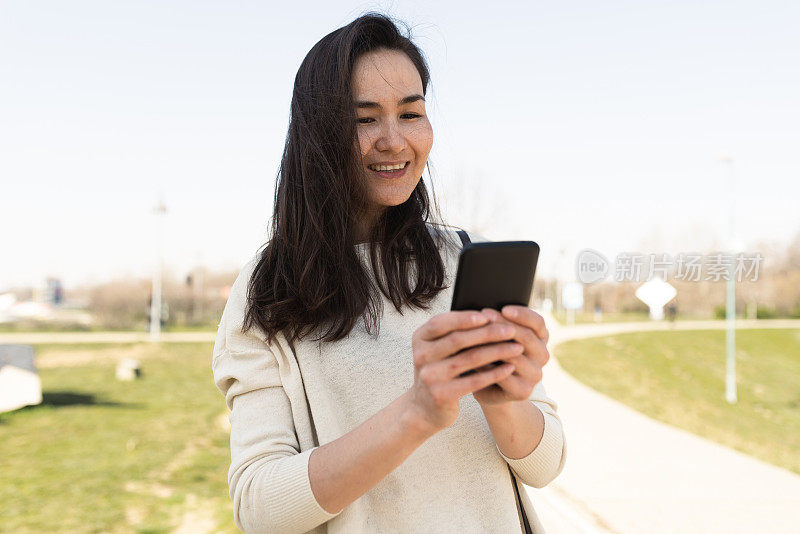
x,y
389,170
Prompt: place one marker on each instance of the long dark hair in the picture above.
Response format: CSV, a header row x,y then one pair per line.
x,y
309,275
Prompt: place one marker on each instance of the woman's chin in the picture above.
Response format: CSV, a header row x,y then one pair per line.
x,y
387,201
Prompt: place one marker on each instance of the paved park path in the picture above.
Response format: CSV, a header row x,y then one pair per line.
x,y
628,473
625,472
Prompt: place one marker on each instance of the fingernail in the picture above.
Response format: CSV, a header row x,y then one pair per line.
x,y
511,312
478,318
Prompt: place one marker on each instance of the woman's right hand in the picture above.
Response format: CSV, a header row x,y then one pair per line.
x,y
447,345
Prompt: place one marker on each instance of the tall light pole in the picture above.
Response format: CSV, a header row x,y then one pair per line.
x,y
730,287
155,302
198,290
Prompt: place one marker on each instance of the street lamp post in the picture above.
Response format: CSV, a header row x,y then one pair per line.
x,y
155,302
559,285
730,290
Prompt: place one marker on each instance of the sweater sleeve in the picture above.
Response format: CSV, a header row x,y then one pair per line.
x,y
268,476
546,461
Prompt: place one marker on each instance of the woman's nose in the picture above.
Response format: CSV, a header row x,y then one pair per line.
x,y
391,138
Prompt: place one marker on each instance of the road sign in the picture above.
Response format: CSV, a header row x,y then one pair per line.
x,y
572,296
655,293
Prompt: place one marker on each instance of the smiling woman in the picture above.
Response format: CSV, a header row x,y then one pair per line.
x,y
341,427
358,110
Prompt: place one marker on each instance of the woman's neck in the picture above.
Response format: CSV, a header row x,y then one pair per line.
x,y
364,227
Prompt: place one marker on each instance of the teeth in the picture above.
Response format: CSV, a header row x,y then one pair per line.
x,y
387,167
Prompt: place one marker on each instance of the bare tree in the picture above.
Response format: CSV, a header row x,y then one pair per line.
x,y
473,202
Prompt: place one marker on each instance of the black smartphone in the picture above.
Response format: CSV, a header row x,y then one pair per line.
x,y
493,274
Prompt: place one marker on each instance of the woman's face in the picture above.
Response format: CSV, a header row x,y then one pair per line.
x,y
393,127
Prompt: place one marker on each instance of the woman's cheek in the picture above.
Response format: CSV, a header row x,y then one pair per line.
x,y
423,139
368,138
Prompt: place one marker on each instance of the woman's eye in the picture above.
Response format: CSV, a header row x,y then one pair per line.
x,y
367,120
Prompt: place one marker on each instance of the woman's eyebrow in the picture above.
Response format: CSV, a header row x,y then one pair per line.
x,y
406,100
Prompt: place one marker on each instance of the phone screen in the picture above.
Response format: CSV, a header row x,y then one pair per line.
x,y
494,274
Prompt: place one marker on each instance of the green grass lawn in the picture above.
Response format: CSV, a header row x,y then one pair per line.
x,y
99,455
679,378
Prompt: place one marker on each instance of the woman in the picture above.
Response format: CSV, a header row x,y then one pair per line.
x,y
341,425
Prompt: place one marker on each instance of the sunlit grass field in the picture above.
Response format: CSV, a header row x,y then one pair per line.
x,y
99,455
678,377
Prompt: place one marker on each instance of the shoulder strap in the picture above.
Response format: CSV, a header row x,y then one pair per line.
x,y
524,523
465,240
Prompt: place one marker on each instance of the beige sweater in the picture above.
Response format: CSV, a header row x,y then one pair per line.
x,y
285,402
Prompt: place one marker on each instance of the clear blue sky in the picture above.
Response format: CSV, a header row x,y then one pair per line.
x,y
586,124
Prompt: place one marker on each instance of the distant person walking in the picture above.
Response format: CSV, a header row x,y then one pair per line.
x,y
672,310
337,353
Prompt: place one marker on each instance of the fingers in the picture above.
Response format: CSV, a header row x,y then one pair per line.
x,y
535,347
458,387
444,323
458,341
516,387
527,317
472,359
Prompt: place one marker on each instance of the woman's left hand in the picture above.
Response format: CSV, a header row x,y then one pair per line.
x,y
532,333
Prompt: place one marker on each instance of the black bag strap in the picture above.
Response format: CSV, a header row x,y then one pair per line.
x,y
526,527
465,240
